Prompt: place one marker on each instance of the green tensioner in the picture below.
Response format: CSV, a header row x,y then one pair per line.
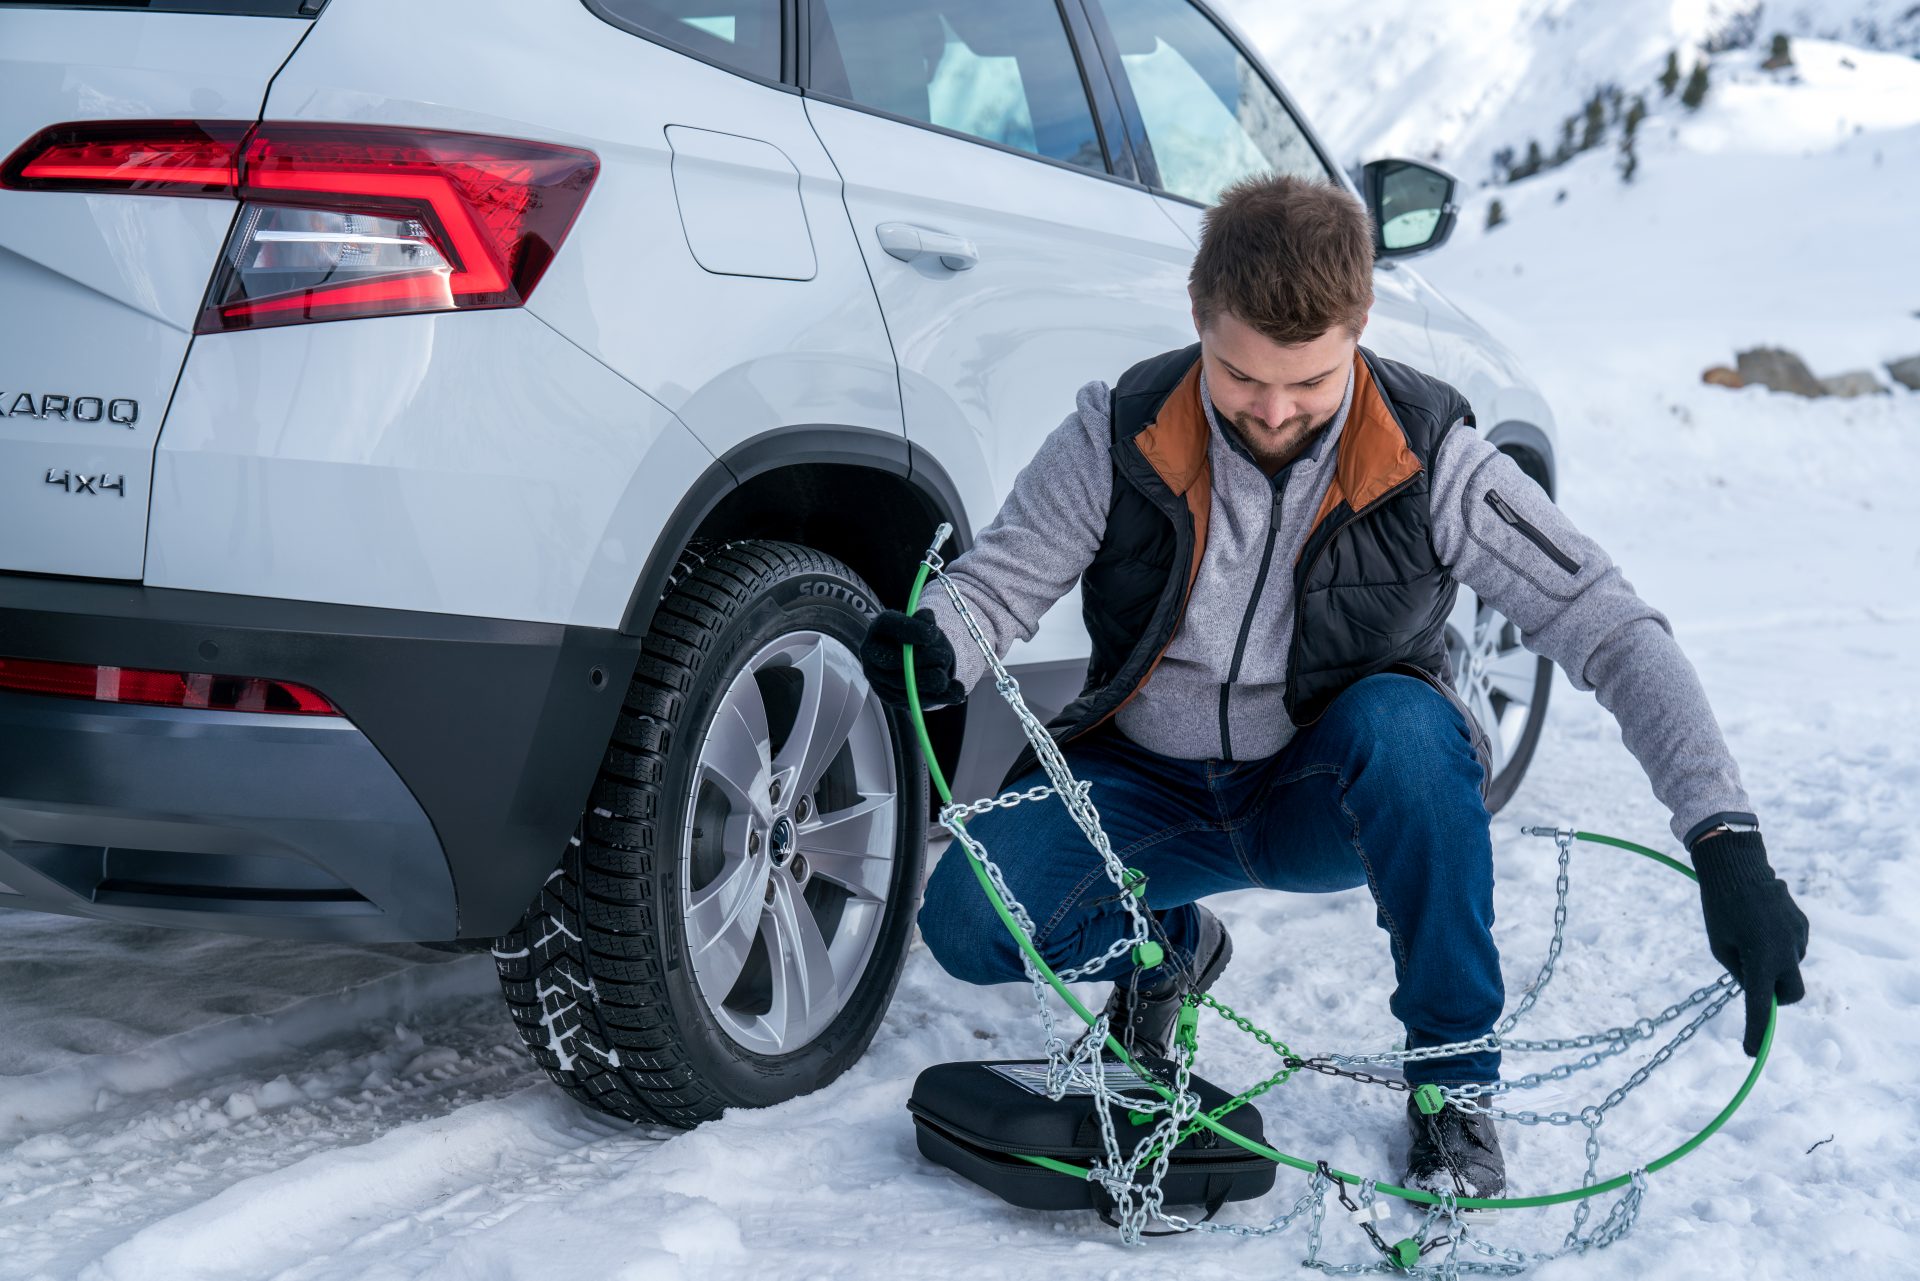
x,y
1430,1103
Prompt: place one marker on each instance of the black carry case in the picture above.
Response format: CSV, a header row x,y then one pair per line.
x,y
973,1118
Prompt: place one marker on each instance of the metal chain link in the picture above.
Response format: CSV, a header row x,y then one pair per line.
x,y
1072,793
1465,1097
1006,800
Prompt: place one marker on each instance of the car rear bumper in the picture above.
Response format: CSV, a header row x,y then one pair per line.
x,y
432,809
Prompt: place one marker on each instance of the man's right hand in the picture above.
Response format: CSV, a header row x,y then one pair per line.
x,y
933,660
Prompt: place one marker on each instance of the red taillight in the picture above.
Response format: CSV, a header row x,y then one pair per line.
x,y
148,157
339,220
198,690
346,220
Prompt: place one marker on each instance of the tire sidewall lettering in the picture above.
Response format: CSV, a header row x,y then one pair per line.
x,y
805,602
801,592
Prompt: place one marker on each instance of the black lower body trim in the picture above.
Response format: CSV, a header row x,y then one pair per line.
x,y
433,810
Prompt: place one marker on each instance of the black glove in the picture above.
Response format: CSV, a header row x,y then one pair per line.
x,y
1754,928
933,661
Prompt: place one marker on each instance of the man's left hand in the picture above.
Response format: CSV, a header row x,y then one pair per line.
x,y
1754,927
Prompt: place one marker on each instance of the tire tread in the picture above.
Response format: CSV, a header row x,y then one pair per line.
x,y
592,929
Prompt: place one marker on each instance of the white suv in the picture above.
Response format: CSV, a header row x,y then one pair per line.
x,y
450,452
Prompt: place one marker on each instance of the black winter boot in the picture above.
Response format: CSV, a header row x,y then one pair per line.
x,y
1454,1151
1143,1018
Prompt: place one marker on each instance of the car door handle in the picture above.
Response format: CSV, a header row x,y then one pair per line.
x,y
907,242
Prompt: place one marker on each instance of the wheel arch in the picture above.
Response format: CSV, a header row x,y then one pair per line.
x,y
867,497
1531,448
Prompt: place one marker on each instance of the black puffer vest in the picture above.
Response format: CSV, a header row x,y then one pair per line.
x,y
1370,594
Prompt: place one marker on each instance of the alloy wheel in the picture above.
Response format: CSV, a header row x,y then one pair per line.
x,y
787,855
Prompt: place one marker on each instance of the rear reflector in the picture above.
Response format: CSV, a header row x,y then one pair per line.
x,y
283,264
339,220
195,690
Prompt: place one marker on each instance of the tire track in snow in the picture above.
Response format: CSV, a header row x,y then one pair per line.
x,y
225,1106
87,1084
277,1219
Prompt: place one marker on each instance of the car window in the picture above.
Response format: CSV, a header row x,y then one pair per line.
x,y
1209,115
742,34
1001,70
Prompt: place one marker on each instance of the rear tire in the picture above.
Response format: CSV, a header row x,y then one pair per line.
x,y
599,974
1507,782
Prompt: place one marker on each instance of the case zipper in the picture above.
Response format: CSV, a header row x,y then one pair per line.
x,y
1533,535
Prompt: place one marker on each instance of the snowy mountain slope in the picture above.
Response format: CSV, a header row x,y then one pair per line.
x,y
1455,82
1778,214
177,1105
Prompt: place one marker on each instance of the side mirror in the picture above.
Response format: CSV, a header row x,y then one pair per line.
x,y
1412,206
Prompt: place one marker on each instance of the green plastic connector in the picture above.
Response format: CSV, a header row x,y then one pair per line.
x,y
1429,1099
1186,1030
1149,954
1135,881
1405,1253
1140,1118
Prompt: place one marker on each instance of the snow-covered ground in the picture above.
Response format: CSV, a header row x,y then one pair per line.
x,y
185,1105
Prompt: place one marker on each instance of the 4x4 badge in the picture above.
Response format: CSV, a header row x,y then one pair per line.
x,y
78,483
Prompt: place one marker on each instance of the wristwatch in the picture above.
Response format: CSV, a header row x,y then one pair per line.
x,y
1722,823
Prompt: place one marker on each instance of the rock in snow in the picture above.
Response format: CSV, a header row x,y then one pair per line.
x,y
1855,382
1779,369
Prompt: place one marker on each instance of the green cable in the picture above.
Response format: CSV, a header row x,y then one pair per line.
x,y
1416,1195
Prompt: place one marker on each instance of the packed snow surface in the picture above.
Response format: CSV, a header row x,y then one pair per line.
x,y
192,1105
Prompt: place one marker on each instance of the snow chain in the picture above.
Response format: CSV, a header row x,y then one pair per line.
x,y
1450,1220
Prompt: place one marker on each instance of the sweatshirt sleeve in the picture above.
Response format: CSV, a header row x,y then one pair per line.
x,y
1032,552
1505,538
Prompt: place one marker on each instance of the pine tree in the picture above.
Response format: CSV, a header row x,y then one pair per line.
x,y
1524,168
1696,91
1495,215
1780,55
1670,78
1629,162
1635,114
1596,130
1564,150
1534,159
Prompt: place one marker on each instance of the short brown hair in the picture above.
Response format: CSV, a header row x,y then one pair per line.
x,y
1291,257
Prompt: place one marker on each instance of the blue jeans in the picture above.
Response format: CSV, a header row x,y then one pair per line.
x,y
1384,790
